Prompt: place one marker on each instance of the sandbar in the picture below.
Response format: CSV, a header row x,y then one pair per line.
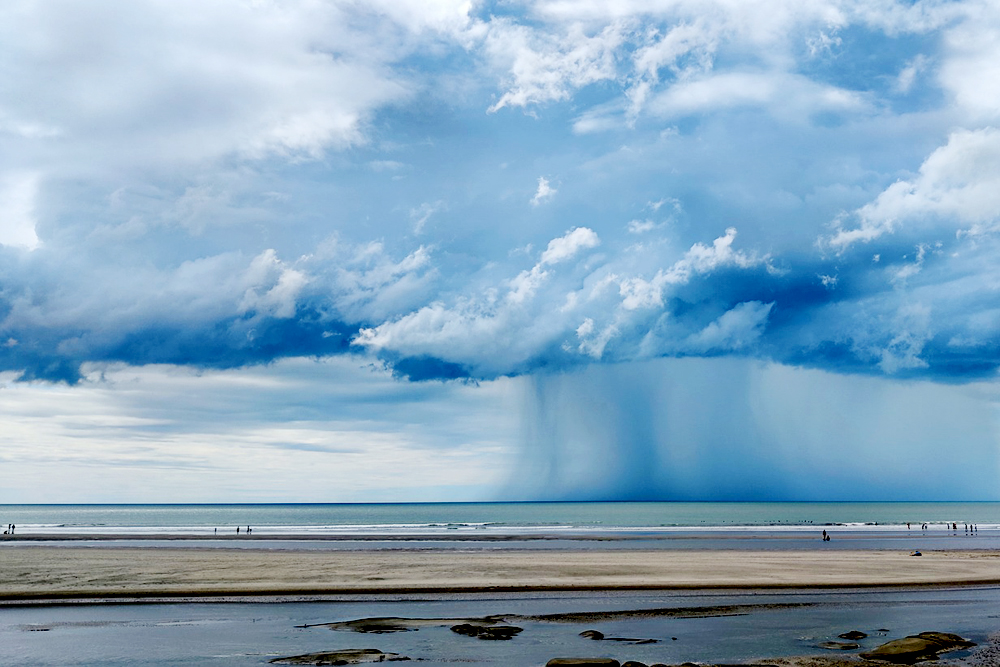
x,y
49,573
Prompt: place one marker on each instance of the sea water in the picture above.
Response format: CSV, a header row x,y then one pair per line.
x,y
524,518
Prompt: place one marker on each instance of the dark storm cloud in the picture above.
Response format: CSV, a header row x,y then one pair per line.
x,y
468,195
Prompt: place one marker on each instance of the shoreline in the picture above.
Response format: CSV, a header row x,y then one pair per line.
x,y
619,535
46,573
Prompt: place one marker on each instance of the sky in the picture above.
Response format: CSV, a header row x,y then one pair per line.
x,y
437,250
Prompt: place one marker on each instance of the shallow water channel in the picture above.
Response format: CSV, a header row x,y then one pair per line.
x,y
762,624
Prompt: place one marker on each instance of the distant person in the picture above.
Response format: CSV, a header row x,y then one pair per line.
x,y
237,530
824,536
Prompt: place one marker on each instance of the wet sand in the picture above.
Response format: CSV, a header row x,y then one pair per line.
x,y
32,572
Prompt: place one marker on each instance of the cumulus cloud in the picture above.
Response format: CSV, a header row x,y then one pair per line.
x,y
212,187
958,184
565,247
640,293
221,311
509,330
734,330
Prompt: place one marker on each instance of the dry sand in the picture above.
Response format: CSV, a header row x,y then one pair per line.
x,y
30,572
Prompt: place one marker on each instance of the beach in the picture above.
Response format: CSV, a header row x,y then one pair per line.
x,y
157,585
46,572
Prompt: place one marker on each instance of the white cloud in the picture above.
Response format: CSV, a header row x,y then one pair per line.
x,y
593,343
547,66
544,191
734,330
278,298
517,323
365,283
18,191
208,81
970,69
568,245
784,93
640,293
958,184
501,330
641,226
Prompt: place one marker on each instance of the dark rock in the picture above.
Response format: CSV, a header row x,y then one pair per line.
x,y
924,646
466,629
582,662
397,624
489,632
597,635
839,646
353,656
375,625
633,663
853,634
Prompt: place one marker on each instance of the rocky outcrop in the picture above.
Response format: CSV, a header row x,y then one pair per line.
x,y
385,624
352,656
853,635
482,631
839,646
582,662
924,646
597,635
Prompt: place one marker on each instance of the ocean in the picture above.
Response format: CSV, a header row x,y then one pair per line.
x,y
522,518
